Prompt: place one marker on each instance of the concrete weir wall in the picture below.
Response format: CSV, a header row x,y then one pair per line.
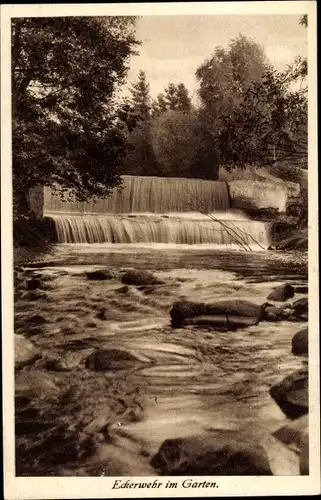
x,y
37,200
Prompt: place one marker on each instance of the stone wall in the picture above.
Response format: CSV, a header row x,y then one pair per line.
x,y
36,201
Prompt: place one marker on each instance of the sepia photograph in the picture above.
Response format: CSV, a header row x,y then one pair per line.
x,y
158,233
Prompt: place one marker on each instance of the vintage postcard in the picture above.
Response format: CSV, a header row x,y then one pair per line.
x,y
159,250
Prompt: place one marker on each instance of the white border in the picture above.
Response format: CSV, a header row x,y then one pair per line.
x,y
41,488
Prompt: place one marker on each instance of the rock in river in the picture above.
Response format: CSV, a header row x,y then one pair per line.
x,y
101,274
113,359
300,342
183,310
214,454
33,284
25,352
301,307
301,289
140,277
220,322
292,394
296,435
281,293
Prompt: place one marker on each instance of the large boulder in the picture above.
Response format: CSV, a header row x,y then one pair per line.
x,y
292,394
214,454
281,293
113,359
183,310
140,277
300,342
25,352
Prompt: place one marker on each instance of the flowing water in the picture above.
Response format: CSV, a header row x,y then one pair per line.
x,y
217,228
187,380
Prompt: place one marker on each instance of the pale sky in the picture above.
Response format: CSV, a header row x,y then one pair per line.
x,y
174,46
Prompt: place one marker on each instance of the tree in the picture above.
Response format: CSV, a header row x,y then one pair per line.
x,y
175,98
180,146
68,126
224,77
141,97
223,80
140,158
270,124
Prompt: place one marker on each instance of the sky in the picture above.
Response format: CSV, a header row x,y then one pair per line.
x,y
174,46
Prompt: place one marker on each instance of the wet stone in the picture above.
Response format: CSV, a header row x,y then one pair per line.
x,y
140,277
301,307
36,319
292,394
300,342
102,274
34,295
33,284
281,293
182,310
295,435
112,359
25,352
208,454
301,289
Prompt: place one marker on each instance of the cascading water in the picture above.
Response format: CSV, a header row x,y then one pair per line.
x,y
156,210
150,194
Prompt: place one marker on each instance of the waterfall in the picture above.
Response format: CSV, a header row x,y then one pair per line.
x,y
156,210
149,194
113,229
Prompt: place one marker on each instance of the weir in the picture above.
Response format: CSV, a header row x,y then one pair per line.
x,y
156,210
152,195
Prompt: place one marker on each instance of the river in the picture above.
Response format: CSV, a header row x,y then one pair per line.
x,y
187,381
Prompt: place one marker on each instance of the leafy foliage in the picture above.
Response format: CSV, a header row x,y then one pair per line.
x,y
180,145
68,125
224,77
270,123
140,158
175,98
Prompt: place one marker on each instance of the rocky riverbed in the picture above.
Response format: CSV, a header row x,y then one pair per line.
x,y
106,386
